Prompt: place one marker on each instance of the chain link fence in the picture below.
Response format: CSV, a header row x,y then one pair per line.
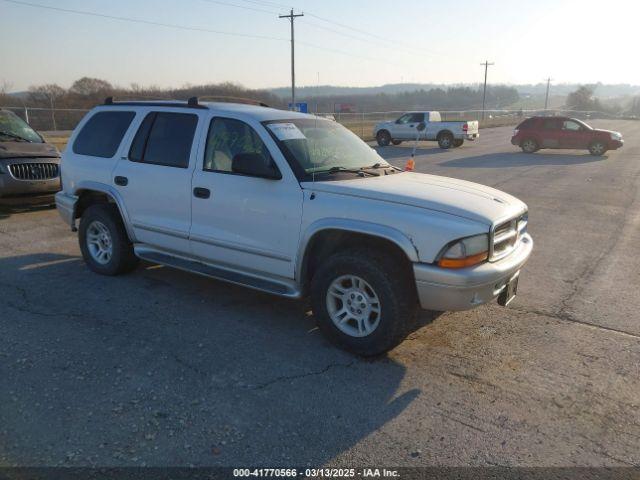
x,y
57,123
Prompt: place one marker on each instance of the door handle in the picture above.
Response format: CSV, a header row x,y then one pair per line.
x,y
200,192
122,181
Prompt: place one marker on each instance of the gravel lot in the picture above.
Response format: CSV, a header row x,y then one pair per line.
x,y
161,367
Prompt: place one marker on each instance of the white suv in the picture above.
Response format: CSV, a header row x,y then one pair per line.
x,y
290,204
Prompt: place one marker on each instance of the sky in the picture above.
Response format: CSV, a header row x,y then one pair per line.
x,y
338,42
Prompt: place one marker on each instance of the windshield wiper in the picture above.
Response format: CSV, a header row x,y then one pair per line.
x,y
383,165
359,171
12,135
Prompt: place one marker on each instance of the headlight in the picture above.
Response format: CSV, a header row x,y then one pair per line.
x,y
616,136
465,252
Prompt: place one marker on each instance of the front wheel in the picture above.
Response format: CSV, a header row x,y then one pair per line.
x,y
445,140
383,138
597,148
363,300
458,142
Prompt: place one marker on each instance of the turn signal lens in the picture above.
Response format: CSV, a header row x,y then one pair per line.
x,y
465,252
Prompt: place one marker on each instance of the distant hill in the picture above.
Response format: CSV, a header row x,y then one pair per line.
x,y
601,90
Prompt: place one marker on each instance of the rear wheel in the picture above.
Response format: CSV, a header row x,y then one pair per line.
x,y
597,148
458,142
363,300
104,243
383,138
445,140
529,145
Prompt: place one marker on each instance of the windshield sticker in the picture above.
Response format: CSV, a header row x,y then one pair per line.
x,y
286,131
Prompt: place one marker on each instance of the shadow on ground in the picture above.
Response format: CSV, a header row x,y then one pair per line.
x,y
7,210
520,159
395,152
168,368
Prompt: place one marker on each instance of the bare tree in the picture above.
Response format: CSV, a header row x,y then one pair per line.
x,y
49,93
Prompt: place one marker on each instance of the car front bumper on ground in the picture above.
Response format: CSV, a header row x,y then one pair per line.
x,y
616,144
26,179
444,289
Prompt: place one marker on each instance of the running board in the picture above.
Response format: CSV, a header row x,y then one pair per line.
x,y
284,289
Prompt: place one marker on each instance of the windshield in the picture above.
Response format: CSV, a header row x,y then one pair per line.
x,y
14,128
319,145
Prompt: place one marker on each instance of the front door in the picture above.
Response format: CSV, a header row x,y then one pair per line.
x,y
573,135
406,127
154,179
246,222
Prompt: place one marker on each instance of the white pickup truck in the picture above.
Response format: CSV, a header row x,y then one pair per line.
x,y
290,204
447,134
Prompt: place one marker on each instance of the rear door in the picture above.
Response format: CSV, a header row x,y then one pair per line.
x,y
154,178
550,132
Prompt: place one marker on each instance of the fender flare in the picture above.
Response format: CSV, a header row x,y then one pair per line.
x,y
114,195
355,226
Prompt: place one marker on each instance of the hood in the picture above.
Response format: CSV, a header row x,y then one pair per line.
x,y
442,194
27,149
600,130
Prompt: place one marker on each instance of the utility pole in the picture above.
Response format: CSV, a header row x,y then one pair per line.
x,y
546,98
484,92
292,17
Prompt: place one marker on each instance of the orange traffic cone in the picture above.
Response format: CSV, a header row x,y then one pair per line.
x,y
411,164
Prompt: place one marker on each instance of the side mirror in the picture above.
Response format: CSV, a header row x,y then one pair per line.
x,y
421,126
255,165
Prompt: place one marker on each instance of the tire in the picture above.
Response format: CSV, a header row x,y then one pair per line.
x,y
383,138
597,149
445,140
529,145
396,142
458,142
104,243
379,274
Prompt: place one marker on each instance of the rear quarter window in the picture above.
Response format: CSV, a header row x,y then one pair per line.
x,y
102,134
528,123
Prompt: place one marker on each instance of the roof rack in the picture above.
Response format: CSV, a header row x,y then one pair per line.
x,y
191,103
228,99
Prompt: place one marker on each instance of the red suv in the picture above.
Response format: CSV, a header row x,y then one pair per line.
x,y
562,132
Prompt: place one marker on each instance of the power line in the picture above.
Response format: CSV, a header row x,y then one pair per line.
x,y
145,22
227,4
183,27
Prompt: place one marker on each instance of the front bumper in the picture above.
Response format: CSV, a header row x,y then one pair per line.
x,y
12,187
444,289
616,144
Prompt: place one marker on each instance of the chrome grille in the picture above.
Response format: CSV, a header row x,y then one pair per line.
x,y
34,171
506,235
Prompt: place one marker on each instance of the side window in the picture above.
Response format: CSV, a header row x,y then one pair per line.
x,y
417,118
164,138
571,126
406,118
102,134
226,139
550,124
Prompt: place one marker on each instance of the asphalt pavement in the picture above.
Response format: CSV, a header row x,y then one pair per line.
x,y
161,367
